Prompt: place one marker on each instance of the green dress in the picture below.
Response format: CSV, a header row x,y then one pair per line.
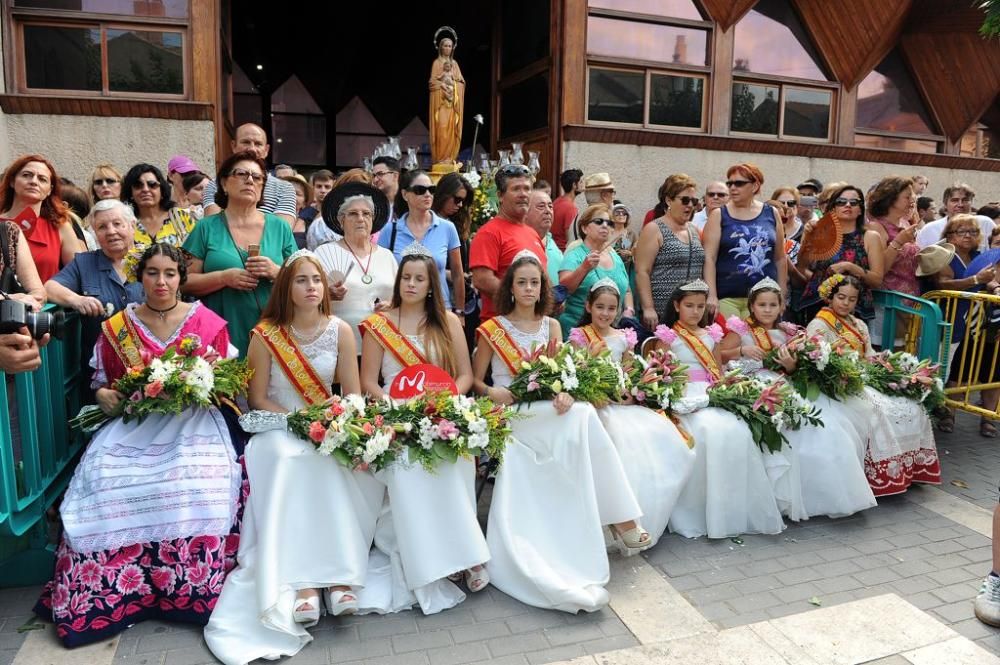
x,y
574,303
210,241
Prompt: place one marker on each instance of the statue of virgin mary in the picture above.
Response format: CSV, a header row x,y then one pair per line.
x,y
447,87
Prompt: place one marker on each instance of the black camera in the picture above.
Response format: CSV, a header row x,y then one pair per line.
x,y
15,315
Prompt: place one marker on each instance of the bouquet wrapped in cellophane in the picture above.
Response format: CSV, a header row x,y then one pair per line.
x,y
553,369
768,409
183,377
833,370
902,374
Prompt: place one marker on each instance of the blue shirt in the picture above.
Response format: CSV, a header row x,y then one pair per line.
x,y
554,259
746,253
441,237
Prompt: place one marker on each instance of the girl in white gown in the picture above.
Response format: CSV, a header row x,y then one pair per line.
x,y
729,492
901,448
428,529
561,478
309,521
656,456
828,476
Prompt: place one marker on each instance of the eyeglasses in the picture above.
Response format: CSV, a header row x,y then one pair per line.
x,y
737,183
101,182
600,221
458,200
716,195
515,170
965,232
146,184
245,174
687,200
381,174
854,203
420,190
788,204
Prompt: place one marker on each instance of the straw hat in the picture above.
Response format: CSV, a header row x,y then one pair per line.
x,y
931,259
597,182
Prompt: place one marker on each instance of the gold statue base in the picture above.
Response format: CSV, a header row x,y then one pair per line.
x,y
442,169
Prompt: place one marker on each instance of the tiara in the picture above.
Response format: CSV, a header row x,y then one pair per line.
x,y
697,286
525,254
298,254
766,283
416,249
604,281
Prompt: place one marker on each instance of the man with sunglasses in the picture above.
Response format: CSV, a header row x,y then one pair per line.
x,y
716,196
278,196
501,239
957,201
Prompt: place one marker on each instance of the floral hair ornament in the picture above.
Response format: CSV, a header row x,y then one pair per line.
x,y
697,286
829,284
766,283
416,249
298,254
604,281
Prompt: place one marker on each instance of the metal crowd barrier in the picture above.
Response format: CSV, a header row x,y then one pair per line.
x,y
38,452
972,350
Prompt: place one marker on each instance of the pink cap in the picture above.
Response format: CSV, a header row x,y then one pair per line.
x,y
181,164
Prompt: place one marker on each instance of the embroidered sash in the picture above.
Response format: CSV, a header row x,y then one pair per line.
x,y
494,334
760,336
293,363
702,352
392,340
843,328
124,340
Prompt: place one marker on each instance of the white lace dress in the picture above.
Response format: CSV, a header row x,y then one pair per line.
x,y
308,523
654,454
560,482
828,474
426,531
901,448
730,490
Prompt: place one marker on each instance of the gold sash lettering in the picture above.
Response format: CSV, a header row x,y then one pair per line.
x,y
843,328
121,335
500,341
760,336
704,355
293,363
392,340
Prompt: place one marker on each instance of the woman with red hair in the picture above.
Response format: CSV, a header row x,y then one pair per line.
x,y
30,196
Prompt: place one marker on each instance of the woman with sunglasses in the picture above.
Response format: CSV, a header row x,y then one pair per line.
x,y
744,243
591,260
669,251
452,201
105,183
861,254
417,222
157,218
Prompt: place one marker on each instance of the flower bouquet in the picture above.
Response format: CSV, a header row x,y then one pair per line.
x,y
349,430
484,201
902,374
442,427
185,376
767,409
553,369
820,368
657,381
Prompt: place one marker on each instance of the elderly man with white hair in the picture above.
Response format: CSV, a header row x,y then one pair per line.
x,y
95,283
361,274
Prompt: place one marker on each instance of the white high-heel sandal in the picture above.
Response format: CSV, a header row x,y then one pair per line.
x,y
477,580
340,602
310,616
631,542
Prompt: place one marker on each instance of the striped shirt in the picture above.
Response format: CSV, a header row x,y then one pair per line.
x,y
279,196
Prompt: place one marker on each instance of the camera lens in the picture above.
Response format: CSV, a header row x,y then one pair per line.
x,y
40,323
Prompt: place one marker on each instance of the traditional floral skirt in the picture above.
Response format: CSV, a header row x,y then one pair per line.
x,y
901,448
96,595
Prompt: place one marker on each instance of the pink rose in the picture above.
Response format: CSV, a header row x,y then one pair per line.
x,y
447,430
316,431
368,429
153,389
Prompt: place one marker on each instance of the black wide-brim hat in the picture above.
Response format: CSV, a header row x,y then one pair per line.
x,y
336,197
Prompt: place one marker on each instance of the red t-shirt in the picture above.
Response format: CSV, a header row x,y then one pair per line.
x,y
563,214
650,216
495,245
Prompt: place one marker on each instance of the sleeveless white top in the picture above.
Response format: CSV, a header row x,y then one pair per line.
x,y
322,355
391,366
525,341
